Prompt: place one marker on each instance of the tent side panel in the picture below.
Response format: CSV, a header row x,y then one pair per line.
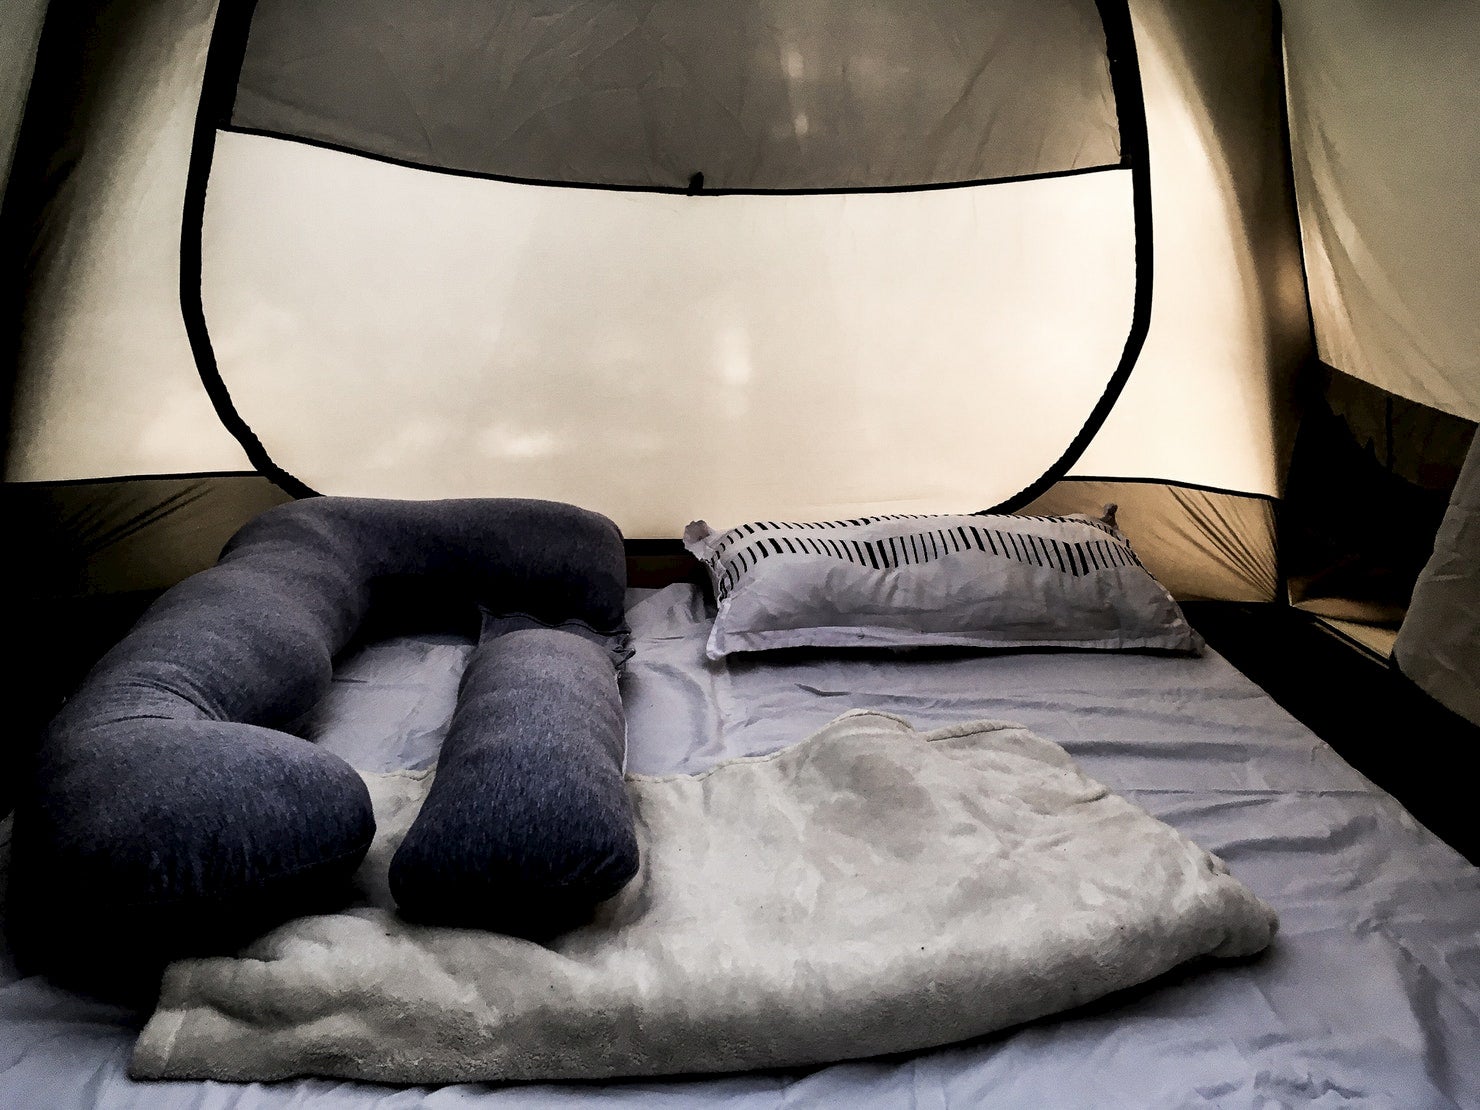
x,y
1438,646
1211,397
1199,543
106,383
1370,479
1383,104
20,32
126,535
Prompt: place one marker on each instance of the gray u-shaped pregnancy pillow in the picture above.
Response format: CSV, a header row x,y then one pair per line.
x,y
167,814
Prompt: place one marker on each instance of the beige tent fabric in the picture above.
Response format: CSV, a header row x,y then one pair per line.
x,y
1210,401
20,31
105,381
119,536
1197,543
1383,103
1439,644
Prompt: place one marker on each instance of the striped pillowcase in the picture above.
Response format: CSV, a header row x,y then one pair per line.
x,y
904,581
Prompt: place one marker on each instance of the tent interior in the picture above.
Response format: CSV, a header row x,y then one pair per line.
x,y
1212,263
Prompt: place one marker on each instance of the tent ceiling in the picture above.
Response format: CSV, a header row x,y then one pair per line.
x,y
761,94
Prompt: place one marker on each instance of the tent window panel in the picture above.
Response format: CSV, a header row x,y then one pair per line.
x,y
655,357
748,94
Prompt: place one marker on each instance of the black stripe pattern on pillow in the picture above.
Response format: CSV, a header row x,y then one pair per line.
x,y
743,548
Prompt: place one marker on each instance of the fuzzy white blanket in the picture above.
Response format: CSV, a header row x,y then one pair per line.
x,y
872,889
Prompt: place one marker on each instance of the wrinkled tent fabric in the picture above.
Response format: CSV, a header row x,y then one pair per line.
x,y
1438,646
20,32
1370,479
1387,170
1198,543
88,538
660,357
1386,156
103,356
759,95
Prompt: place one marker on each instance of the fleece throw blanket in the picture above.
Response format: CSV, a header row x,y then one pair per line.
x,y
872,889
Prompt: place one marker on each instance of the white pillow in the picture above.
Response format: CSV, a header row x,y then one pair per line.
x,y
923,581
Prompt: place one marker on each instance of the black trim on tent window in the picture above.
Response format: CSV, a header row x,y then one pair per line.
x,y
218,90
112,479
1130,106
671,190
1199,486
223,67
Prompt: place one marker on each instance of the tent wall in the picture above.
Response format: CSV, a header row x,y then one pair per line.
x,y
1200,543
1228,333
1210,402
20,33
105,376
757,96
126,535
1370,479
1383,104
1438,646
675,419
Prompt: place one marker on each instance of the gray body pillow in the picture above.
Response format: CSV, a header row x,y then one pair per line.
x,y
167,813
509,838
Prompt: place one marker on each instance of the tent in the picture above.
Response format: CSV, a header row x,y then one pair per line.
x,y
784,261
785,273
288,248
813,263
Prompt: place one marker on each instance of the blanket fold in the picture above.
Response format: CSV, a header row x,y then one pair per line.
x,y
872,889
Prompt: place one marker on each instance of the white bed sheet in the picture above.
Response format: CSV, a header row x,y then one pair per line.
x,y
1370,995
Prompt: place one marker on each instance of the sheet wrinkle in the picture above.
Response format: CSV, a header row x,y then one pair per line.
x,y
1421,967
